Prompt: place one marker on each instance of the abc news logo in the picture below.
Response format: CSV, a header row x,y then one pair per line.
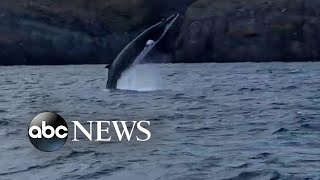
x,y
48,131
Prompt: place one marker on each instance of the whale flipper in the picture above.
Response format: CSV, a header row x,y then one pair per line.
x,y
137,49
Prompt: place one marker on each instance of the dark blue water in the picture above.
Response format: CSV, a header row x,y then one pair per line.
x,y
208,121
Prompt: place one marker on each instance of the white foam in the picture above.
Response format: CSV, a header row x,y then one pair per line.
x,y
141,77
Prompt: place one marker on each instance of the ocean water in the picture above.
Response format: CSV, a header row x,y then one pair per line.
x,y
208,121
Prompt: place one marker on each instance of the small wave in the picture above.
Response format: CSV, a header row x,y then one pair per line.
x,y
262,156
256,130
281,130
296,71
74,153
240,166
67,83
14,148
289,88
265,174
100,173
4,122
26,169
310,126
250,89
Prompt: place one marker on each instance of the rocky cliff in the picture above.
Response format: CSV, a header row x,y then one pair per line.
x,y
250,30
74,31
94,31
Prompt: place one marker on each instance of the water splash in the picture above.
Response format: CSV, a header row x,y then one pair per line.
x,y
141,77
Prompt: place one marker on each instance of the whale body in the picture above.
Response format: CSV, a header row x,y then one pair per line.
x,y
137,49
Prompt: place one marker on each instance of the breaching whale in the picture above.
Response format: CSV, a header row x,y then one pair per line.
x,y
137,49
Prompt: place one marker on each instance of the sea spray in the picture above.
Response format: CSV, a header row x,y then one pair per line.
x,y
141,77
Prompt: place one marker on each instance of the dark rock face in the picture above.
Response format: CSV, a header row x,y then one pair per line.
x,y
250,30
31,42
95,31
74,31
